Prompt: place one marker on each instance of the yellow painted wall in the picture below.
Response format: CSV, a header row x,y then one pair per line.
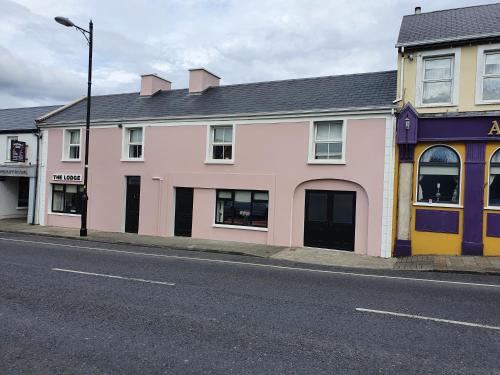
x,y
467,84
425,243
491,244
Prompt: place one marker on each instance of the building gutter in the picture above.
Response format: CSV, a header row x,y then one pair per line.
x,y
35,198
438,41
235,117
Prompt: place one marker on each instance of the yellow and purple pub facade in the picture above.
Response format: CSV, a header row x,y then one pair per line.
x,y
447,174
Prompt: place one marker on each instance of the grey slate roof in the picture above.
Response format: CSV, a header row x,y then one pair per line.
x,y
461,24
22,119
355,91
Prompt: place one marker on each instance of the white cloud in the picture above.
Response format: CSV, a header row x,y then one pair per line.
x,y
241,41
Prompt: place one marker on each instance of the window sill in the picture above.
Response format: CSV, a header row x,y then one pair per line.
x,y
21,208
71,160
492,208
437,105
63,214
258,229
327,162
443,205
222,161
132,160
486,102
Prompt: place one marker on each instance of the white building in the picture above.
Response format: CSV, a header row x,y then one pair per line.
x,y
19,155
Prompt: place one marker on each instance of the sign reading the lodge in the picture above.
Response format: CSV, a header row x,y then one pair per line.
x,y
61,177
18,151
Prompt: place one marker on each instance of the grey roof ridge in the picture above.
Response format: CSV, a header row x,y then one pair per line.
x,y
448,9
59,109
306,78
232,116
442,40
245,84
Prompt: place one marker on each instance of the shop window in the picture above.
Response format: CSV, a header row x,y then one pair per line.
x,y
242,208
494,183
328,139
134,144
67,198
23,192
439,176
72,146
221,143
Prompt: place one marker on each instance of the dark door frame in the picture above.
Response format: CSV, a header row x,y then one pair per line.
x,y
328,227
132,227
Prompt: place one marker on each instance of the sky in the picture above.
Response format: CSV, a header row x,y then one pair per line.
x,y
44,63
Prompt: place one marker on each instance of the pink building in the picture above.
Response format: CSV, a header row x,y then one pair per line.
x,y
305,162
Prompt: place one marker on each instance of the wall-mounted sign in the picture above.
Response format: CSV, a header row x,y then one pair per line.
x,y
495,128
61,177
15,171
18,151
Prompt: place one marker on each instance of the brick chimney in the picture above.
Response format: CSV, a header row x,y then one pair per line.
x,y
201,79
151,84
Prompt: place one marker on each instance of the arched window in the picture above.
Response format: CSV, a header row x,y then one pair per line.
x,y
495,179
439,176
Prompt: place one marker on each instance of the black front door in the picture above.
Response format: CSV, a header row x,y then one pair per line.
x,y
183,211
330,219
132,204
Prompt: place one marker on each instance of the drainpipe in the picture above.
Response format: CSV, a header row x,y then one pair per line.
x,y
38,136
402,77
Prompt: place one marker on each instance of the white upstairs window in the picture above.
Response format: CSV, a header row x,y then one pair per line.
x,y
72,145
491,76
221,144
327,142
437,83
134,143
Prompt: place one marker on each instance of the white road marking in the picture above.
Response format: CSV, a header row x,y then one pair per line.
x,y
458,322
357,274
114,277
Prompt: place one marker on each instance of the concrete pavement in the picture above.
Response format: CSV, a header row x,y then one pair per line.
x,y
80,307
488,265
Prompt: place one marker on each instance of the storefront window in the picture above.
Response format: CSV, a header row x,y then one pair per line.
x,y
67,199
439,176
495,180
242,207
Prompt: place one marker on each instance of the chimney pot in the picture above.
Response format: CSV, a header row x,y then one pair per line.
x,y
152,83
201,79
418,10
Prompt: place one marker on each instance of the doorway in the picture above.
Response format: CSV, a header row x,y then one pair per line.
x,y
183,212
330,218
132,204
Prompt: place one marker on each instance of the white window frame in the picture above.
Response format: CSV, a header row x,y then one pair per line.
x,y
126,142
312,144
481,53
9,140
487,205
421,56
210,145
66,145
460,179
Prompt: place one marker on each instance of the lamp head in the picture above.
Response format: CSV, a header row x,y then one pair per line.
x,y
64,21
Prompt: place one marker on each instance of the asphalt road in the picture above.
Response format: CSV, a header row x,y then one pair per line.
x,y
76,307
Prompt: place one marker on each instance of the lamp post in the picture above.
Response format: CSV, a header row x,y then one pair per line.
x,y
88,34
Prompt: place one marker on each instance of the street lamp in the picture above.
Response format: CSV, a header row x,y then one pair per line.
x,y
88,34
